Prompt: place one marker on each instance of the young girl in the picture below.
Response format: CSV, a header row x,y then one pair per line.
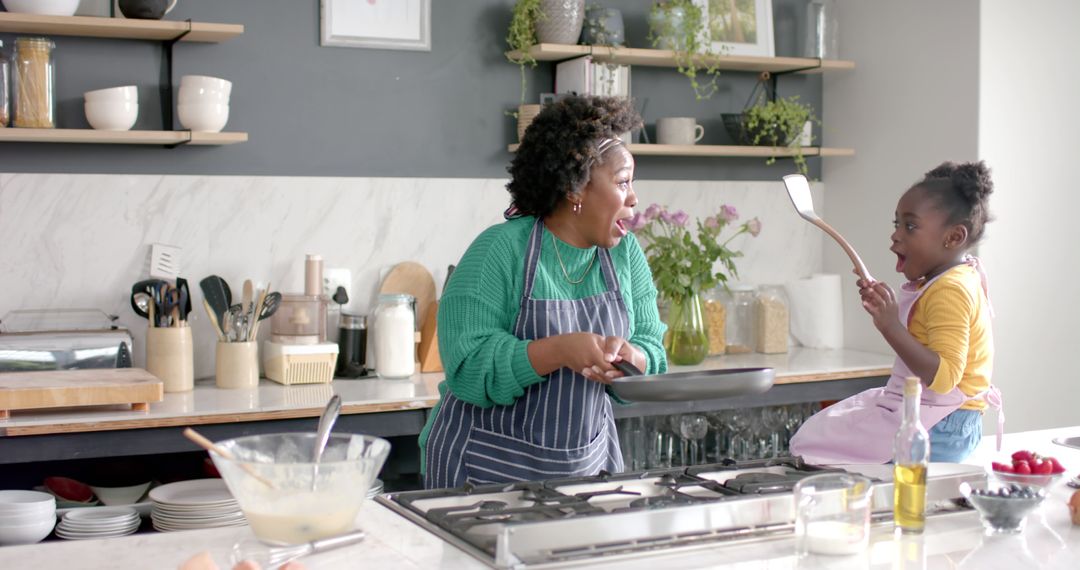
x,y
938,324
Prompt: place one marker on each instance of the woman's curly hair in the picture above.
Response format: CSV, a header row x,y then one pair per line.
x,y
560,147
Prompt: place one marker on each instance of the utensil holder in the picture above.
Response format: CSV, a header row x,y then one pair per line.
x,y
170,357
237,365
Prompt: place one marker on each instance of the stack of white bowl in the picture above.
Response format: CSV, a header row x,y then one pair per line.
x,y
26,517
81,524
203,104
113,109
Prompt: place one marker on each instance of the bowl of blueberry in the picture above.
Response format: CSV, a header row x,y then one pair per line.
x,y
1003,508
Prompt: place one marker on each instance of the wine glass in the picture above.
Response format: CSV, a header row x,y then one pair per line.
x,y
693,427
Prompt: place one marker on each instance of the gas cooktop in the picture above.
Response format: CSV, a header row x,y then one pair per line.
x,y
563,522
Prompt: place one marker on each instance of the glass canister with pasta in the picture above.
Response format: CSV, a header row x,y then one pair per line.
x,y
5,89
714,303
772,319
33,79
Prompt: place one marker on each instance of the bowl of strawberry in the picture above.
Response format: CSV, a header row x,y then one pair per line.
x,y
1030,469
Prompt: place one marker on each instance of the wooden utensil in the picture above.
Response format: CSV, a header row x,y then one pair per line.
x,y
208,445
798,189
214,320
429,342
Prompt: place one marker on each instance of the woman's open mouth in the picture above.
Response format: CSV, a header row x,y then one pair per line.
x,y
620,226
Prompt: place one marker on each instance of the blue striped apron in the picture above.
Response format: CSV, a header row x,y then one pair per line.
x,y
560,427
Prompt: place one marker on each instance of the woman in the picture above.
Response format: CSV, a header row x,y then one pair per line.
x,y
540,307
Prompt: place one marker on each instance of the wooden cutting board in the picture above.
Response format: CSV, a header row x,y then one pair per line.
x,y
412,278
67,388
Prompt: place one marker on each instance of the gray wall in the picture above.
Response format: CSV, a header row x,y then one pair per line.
x,y
314,111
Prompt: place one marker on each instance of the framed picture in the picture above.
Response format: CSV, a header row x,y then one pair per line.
x,y
377,24
741,27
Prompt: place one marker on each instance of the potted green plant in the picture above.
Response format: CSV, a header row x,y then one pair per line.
x,y
768,120
682,262
679,25
521,37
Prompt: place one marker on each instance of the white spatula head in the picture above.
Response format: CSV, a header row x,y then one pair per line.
x,y
798,189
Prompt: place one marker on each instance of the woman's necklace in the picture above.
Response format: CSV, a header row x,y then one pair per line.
x,y
562,265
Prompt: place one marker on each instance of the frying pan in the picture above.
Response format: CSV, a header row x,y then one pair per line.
x,y
688,386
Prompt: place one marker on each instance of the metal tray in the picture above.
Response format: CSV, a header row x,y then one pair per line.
x,y
699,385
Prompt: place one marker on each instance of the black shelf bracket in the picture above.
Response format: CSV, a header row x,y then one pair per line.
x,y
166,83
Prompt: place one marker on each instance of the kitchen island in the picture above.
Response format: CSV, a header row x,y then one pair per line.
x,y
950,541
386,408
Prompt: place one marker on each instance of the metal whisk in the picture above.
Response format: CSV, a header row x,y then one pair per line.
x,y
274,556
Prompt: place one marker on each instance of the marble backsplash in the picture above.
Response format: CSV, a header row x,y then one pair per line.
x,y
80,241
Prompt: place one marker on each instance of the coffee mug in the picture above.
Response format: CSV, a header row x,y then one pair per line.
x,y
146,9
678,130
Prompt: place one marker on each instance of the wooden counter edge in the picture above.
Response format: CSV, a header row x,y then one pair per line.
x,y
181,421
144,423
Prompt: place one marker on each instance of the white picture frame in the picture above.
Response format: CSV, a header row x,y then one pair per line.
x,y
376,24
753,37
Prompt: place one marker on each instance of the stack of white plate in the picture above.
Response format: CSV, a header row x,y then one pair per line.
x,y
98,523
189,505
375,489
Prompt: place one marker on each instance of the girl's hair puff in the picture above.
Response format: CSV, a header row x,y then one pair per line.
x,y
962,190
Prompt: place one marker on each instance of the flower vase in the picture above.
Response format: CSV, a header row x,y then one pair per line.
x,y
687,339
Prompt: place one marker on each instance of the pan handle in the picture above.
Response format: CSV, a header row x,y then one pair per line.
x,y
627,368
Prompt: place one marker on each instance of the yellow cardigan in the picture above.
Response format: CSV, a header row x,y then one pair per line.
x,y
952,318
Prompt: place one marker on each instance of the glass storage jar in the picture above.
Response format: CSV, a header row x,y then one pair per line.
x,y
714,303
5,89
395,336
740,320
32,80
772,319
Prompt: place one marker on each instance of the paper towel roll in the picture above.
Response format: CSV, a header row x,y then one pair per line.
x,y
817,314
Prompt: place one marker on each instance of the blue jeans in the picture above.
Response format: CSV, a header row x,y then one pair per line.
x,y
955,437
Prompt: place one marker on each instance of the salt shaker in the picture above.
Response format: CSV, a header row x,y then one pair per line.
x,y
395,334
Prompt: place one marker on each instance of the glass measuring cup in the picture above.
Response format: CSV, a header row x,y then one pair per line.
x,y
832,514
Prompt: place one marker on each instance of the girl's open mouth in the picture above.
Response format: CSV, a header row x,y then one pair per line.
x,y
900,259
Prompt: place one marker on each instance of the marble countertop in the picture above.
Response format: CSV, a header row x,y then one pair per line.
x,y
953,541
207,404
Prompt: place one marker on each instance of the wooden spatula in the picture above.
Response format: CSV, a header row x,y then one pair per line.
x,y
798,189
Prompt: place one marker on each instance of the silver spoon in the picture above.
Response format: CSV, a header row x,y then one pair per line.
x,y
798,189
326,423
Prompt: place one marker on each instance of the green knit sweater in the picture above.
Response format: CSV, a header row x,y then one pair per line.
x,y
485,363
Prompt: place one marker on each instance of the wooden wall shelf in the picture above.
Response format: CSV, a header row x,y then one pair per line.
x,y
92,136
118,28
729,151
666,58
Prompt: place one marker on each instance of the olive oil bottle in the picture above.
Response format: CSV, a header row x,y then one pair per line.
x,y
911,455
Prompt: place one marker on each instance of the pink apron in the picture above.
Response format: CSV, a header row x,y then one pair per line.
x,y
861,429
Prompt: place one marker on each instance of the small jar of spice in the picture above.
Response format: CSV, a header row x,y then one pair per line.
x,y
772,319
33,78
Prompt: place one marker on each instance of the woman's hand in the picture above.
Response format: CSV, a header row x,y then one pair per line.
x,y
880,301
587,353
615,349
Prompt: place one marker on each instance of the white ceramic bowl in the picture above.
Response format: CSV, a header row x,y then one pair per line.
x,y
26,533
121,495
127,93
45,7
111,115
208,82
197,94
203,117
17,501
26,518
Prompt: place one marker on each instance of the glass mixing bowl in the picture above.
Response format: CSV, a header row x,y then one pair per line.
x,y
295,502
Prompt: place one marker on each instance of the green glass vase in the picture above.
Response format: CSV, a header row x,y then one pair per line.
x,y
686,340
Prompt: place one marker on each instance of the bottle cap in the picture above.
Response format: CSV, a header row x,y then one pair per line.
x,y
912,385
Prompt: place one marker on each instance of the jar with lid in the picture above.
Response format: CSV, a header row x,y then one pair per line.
x,y
352,346
32,80
714,304
395,336
740,320
5,89
772,319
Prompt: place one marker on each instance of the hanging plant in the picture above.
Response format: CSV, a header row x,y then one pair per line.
x,y
679,25
767,120
521,37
